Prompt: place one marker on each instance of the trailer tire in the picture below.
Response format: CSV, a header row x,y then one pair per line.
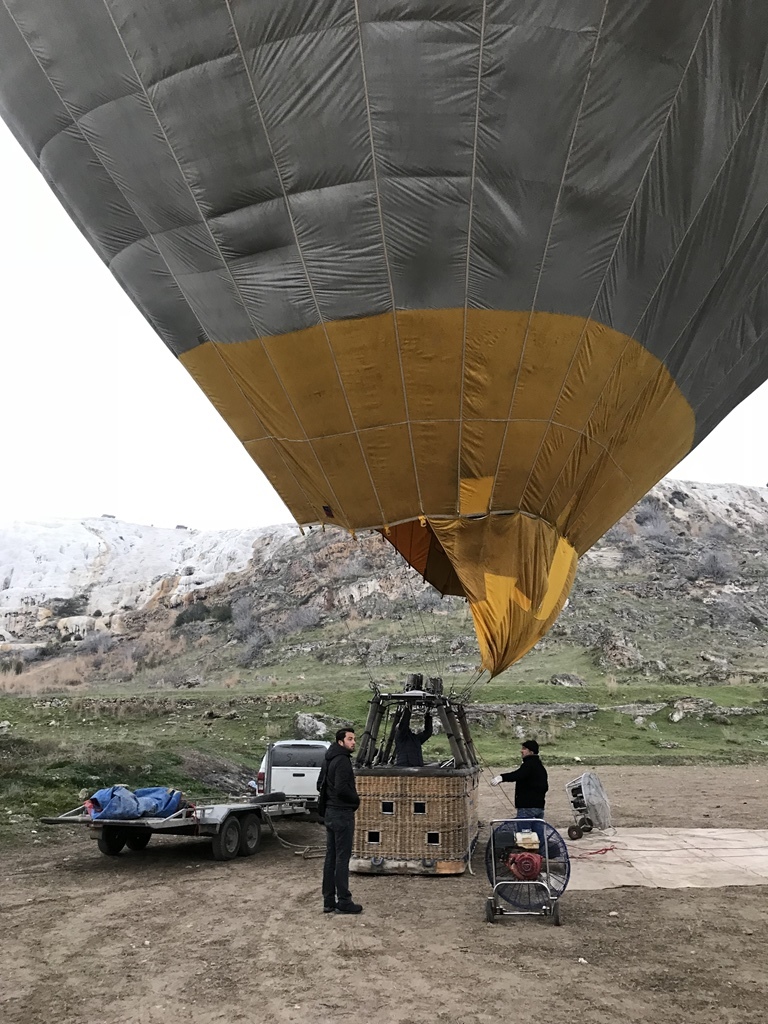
x,y
250,835
226,843
138,839
111,840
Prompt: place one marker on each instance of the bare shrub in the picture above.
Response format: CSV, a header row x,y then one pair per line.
x,y
303,617
95,643
650,517
358,564
137,652
65,607
427,598
243,620
717,567
254,645
722,533
618,534
197,612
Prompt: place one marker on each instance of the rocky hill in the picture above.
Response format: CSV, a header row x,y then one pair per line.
x,y
676,591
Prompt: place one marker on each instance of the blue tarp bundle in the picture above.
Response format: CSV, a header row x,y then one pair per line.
x,y
121,802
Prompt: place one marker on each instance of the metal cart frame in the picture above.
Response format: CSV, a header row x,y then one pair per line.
x,y
495,907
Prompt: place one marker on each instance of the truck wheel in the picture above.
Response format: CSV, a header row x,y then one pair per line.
x,y
250,834
226,842
137,839
111,840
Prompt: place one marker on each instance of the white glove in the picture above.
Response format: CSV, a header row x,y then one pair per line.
x,y
496,780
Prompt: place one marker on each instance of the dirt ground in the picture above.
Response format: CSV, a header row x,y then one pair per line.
x,y
170,935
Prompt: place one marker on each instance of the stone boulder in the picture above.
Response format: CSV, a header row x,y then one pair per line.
x,y
693,707
513,712
639,709
567,679
76,626
310,727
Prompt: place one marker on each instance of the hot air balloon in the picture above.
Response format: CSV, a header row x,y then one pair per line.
x,y
474,273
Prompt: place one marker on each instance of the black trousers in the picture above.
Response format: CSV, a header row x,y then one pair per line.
x,y
339,830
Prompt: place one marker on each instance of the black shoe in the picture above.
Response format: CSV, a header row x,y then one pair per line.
x,y
329,908
349,908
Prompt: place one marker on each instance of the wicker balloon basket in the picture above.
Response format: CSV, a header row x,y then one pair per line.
x,y
415,820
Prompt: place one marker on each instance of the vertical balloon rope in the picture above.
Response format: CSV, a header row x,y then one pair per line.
x,y
433,649
363,659
434,653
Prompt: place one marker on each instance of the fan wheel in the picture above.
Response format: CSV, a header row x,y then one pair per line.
x,y
490,910
575,832
557,920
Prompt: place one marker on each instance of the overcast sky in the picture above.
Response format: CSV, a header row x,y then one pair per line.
x,y
96,416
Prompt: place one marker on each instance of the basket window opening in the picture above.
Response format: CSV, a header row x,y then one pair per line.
x,y
433,838
374,837
387,807
419,807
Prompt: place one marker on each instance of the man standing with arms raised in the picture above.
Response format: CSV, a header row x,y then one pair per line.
x,y
338,803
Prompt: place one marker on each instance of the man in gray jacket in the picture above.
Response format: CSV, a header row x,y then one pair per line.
x,y
338,803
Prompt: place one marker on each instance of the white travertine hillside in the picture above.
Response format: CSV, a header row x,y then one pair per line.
x,y
118,565
112,566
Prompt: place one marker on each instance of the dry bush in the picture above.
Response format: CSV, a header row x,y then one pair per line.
x,y
719,568
243,620
96,643
252,648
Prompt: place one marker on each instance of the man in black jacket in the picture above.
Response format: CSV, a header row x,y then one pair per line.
x,y
337,779
408,744
531,783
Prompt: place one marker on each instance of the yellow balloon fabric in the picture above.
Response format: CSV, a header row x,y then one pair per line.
x,y
517,438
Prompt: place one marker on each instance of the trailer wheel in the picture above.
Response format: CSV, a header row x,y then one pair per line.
x,y
250,834
490,911
111,840
226,842
137,839
574,832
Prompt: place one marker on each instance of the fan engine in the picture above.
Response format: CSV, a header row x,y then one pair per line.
x,y
525,867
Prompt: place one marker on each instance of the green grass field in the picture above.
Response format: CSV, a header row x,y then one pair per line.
x,y
56,746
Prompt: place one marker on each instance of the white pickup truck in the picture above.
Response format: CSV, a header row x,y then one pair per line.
x,y
292,767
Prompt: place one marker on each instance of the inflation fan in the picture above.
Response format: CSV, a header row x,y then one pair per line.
x,y
528,867
589,803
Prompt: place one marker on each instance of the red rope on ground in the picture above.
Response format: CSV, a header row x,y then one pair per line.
x,y
591,853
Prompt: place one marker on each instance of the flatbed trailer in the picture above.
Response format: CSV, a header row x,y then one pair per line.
x,y
234,826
